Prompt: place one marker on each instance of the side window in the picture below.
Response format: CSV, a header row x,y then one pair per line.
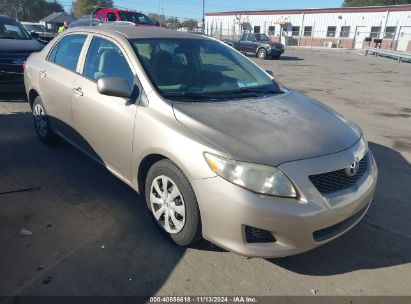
x,y
111,17
67,51
105,59
251,37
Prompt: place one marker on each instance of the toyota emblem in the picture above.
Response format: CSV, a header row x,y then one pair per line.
x,y
353,168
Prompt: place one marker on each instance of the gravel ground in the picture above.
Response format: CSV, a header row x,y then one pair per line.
x,y
92,234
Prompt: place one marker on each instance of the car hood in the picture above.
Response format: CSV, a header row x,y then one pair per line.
x,y
24,46
271,130
274,43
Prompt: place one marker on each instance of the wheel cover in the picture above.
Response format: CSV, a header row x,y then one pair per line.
x,y
40,120
167,204
261,53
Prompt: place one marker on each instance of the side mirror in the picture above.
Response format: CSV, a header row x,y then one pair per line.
x,y
34,35
269,72
114,86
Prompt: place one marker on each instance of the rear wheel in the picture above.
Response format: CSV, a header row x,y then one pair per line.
x,y
262,53
42,122
172,202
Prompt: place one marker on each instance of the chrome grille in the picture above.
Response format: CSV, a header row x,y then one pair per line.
x,y
334,181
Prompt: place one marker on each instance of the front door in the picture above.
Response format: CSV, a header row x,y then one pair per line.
x,y
105,124
360,35
56,78
404,38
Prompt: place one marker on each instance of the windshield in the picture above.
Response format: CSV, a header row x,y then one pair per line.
x,y
10,29
36,27
261,37
137,18
195,69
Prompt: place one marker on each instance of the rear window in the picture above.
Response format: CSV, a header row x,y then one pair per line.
x,y
10,29
67,51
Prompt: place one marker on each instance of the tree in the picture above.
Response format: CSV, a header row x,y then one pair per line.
x,y
172,23
157,18
83,7
86,7
105,3
356,3
29,10
190,24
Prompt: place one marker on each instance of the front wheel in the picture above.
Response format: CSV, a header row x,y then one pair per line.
x,y
172,202
262,54
42,123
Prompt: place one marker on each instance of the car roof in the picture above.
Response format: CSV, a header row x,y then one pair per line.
x,y
133,32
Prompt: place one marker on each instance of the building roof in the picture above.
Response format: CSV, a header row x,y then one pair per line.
x,y
365,9
58,17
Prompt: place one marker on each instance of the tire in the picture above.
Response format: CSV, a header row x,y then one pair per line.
x,y
42,123
262,53
181,209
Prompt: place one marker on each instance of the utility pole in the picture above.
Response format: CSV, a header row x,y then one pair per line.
x,y
203,25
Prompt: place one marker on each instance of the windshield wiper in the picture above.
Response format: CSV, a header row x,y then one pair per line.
x,y
189,95
258,91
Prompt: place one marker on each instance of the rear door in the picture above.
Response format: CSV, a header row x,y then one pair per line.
x,y
56,79
105,124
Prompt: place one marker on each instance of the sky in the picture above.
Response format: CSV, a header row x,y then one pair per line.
x,y
193,8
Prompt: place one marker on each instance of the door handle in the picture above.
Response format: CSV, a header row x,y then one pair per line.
x,y
43,74
78,92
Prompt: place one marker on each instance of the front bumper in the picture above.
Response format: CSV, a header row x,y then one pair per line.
x,y
275,51
227,209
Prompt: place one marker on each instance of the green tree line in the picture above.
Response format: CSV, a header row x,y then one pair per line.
x,y
29,10
356,3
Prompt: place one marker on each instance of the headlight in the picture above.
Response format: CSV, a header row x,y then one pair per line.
x,y
257,178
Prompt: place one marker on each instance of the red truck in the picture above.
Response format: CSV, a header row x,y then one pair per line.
x,y
113,14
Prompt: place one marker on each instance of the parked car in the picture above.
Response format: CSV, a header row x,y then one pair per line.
x,y
39,29
218,148
16,44
85,22
258,45
113,14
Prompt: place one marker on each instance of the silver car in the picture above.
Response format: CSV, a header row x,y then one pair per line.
x,y
218,148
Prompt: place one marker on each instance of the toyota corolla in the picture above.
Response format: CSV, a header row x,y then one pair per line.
x,y
219,149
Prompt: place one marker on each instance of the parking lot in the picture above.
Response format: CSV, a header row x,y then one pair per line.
x,y
92,235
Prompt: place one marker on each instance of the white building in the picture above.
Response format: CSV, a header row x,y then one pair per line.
x,y
346,27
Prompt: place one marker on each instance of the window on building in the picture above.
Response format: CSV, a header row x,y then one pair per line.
x,y
308,31
295,30
257,29
390,32
271,30
345,31
375,31
331,31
